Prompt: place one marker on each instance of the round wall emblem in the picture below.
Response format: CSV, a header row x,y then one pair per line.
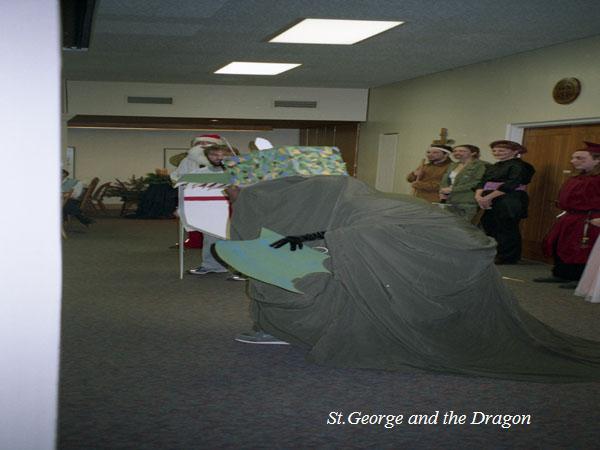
x,y
566,91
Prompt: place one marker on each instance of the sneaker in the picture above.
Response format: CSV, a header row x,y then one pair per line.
x,y
259,337
85,220
202,271
236,277
550,280
504,262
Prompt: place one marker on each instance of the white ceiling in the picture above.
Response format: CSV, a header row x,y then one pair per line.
x,y
185,41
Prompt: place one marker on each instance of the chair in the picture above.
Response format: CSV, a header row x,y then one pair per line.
x,y
65,196
129,197
98,195
86,200
130,200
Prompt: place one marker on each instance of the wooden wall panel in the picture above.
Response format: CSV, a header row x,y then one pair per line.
x,y
344,136
346,139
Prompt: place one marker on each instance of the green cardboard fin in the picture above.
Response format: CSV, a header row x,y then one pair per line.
x,y
278,266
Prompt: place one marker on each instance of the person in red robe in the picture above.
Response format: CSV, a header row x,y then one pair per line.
x,y
572,237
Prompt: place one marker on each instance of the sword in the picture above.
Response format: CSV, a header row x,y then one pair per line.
x,y
585,239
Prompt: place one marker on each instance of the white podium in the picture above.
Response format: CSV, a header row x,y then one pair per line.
x,y
202,208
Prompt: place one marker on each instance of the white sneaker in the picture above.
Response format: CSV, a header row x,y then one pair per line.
x,y
235,277
259,337
202,271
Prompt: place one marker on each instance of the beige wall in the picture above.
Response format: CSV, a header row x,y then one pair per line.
x,y
476,103
110,154
196,100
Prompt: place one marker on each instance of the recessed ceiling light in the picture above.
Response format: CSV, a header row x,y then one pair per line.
x,y
255,68
214,120
333,31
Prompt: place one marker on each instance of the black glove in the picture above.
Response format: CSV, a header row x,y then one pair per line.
x,y
296,241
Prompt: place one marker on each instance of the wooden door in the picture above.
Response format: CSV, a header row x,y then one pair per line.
x,y
343,136
549,151
346,139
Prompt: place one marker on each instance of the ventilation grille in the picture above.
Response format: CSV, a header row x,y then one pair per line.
x,y
151,100
294,104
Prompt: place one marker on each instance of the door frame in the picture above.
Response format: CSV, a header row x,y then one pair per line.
x,y
393,164
515,131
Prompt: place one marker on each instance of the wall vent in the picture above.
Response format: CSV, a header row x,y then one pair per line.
x,y
151,100
294,104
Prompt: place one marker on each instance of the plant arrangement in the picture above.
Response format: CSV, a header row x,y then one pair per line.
x,y
134,186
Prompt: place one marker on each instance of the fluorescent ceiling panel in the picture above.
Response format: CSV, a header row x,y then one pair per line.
x,y
255,68
333,31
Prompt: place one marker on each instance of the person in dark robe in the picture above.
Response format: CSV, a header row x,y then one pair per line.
x,y
502,194
409,286
572,237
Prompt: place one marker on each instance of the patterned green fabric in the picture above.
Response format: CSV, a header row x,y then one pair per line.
x,y
263,165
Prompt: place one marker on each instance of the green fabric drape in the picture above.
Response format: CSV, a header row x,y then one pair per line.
x,y
411,286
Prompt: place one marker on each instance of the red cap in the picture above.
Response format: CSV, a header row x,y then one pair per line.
x,y
214,139
590,147
511,145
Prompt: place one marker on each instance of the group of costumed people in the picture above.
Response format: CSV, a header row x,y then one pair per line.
x,y
495,196
377,298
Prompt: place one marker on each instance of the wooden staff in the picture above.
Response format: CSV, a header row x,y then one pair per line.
x,y
420,169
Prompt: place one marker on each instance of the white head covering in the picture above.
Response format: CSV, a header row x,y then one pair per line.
x,y
441,149
207,140
197,155
262,143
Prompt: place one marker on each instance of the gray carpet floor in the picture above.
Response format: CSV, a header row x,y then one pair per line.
x,y
148,361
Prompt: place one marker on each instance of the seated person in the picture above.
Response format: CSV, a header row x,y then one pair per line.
x,y
72,190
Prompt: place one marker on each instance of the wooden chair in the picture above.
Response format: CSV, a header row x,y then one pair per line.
x,y
129,198
98,196
130,201
86,200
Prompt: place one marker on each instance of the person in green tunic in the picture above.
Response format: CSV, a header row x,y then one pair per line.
x,y
457,187
410,286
